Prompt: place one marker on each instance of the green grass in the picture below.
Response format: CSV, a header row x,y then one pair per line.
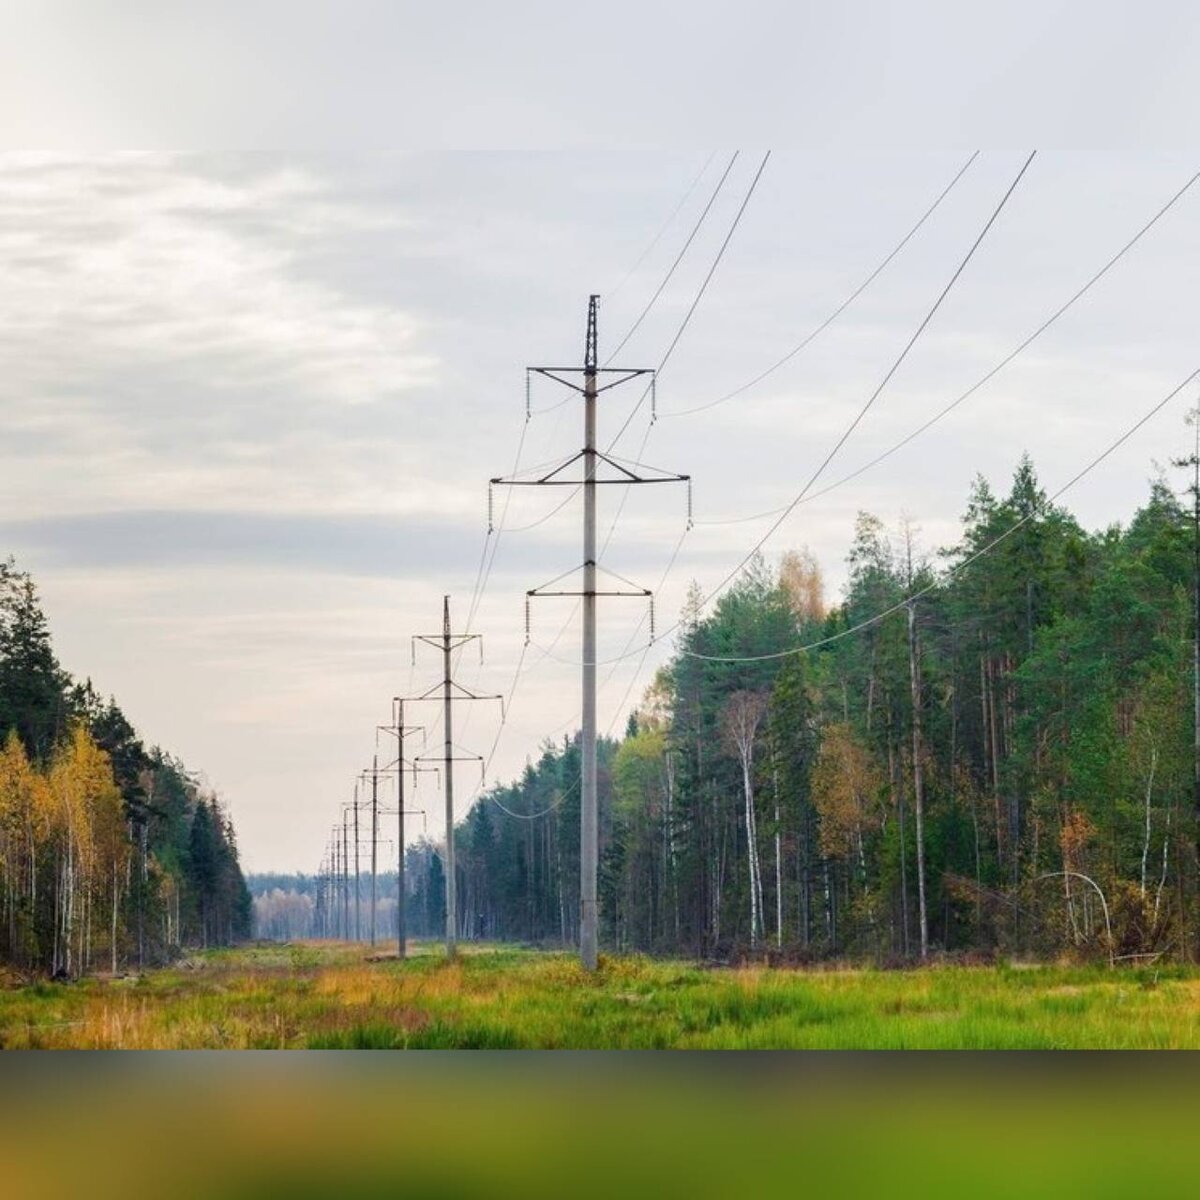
x,y
332,996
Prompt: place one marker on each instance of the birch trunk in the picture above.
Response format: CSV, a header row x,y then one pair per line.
x,y
918,780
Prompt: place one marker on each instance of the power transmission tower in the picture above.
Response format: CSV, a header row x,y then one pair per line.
x,y
451,691
357,882
623,473
319,908
334,877
374,836
398,730
345,876
374,772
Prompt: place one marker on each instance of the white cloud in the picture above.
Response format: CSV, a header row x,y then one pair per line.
x,y
160,315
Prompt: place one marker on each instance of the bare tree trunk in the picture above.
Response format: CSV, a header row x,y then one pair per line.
x,y
898,795
778,872
1162,879
115,899
918,780
752,855
1146,839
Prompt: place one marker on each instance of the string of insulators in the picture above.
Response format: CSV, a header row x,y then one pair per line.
x,y
651,618
528,410
690,522
527,617
653,397
412,646
491,509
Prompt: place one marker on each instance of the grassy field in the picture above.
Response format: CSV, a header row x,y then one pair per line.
x,y
334,996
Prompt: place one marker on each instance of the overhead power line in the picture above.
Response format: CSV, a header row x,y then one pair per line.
x,y
966,562
984,379
613,292
1022,346
666,356
737,220
486,561
837,312
866,407
678,259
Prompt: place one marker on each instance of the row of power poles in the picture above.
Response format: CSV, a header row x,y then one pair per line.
x,y
334,886
339,901
585,470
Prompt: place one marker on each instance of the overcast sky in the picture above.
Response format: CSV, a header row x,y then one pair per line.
x,y
251,400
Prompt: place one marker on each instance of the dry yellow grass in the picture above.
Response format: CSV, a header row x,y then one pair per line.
x,y
337,995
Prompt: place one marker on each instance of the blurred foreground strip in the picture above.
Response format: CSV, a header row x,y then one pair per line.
x,y
323,1126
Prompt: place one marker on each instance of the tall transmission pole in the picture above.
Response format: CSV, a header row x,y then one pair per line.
x,y
374,772
357,884
451,691
334,877
591,460
398,730
345,877
374,838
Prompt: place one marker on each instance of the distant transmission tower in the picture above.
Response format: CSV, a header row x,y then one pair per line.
x,y
399,731
623,473
451,692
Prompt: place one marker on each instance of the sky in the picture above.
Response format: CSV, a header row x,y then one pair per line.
x,y
251,399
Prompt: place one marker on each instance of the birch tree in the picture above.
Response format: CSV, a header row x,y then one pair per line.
x,y
741,717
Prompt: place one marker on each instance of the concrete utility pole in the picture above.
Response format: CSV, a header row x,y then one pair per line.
x,y
374,837
398,731
588,814
357,883
451,692
334,876
590,459
447,764
345,877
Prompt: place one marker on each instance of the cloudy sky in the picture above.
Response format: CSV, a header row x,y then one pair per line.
x,y
251,400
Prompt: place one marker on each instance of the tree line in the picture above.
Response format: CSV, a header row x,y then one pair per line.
x,y
111,852
1007,761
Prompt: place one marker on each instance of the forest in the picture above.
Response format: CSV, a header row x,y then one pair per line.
x,y
1006,762
111,853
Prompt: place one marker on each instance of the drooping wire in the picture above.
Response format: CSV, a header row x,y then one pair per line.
x,y
675,342
670,350
866,407
662,362
971,558
837,312
483,572
712,270
988,376
663,228
1082,291
637,671
678,259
